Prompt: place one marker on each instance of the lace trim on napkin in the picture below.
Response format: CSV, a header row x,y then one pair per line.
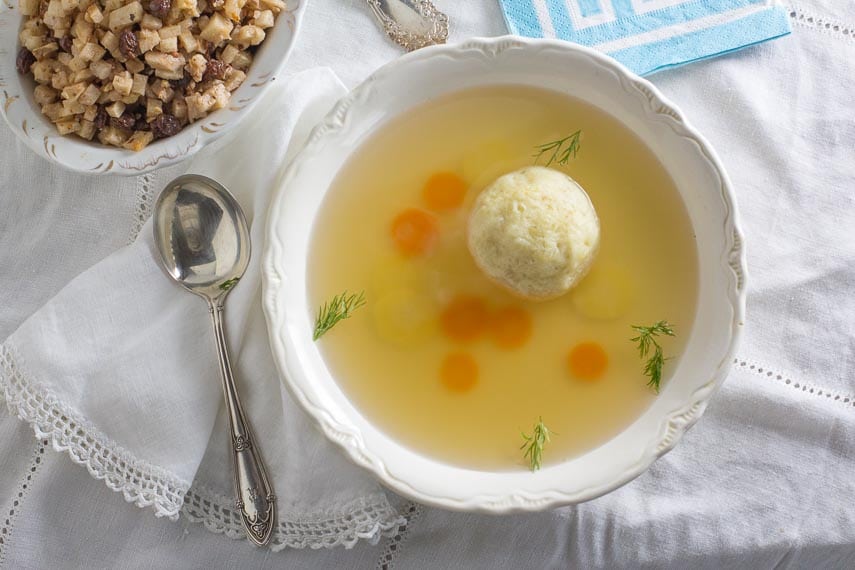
x,y
139,482
370,518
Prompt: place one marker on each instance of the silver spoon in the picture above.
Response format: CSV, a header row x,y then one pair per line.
x,y
203,240
412,24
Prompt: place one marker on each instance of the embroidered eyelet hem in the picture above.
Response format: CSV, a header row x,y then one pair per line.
x,y
370,518
140,482
145,485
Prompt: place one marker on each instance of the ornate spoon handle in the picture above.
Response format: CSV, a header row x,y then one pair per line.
x,y
253,494
412,24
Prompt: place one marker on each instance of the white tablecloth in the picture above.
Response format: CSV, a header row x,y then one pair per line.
x,y
782,118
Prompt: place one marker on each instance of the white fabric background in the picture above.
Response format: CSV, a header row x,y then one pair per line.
x,y
767,477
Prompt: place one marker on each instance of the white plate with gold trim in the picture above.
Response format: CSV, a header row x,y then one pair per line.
x,y
36,131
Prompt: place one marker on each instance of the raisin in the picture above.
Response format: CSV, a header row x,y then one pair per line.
x,y
216,69
24,61
128,44
65,44
165,125
126,121
101,118
160,8
180,84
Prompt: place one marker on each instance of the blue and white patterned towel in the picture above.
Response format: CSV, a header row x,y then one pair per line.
x,y
651,35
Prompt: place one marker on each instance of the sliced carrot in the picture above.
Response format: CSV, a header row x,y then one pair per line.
x,y
459,372
414,232
465,318
444,191
510,327
587,361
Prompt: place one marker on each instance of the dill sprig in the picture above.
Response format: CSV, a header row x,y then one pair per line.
x,y
341,307
562,149
646,339
533,444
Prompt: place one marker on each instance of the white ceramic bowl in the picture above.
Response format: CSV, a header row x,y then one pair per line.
x,y
36,131
583,73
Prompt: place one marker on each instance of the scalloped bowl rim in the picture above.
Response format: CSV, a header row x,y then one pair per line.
x,y
428,480
77,155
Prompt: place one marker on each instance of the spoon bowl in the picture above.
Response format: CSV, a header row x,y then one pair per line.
x,y
201,235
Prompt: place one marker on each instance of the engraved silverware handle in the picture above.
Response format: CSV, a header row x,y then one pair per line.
x,y
254,497
412,24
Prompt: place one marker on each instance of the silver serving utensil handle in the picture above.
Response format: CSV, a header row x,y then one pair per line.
x,y
254,497
412,24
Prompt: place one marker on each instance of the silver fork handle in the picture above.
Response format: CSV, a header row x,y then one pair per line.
x,y
254,497
412,24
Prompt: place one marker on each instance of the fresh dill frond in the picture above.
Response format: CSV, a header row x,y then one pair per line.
x,y
339,308
229,284
646,339
533,444
562,149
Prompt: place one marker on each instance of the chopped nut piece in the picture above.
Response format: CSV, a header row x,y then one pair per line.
x,y
44,94
150,22
103,70
116,109
166,66
248,36
232,8
91,52
153,108
139,140
263,18
218,29
127,15
147,39
72,92
229,53
91,112
234,78
161,89
198,105
123,82
110,41
94,14
169,45
134,65
90,95
242,60
140,83
67,126
113,136
197,67
29,7
87,130
169,32
45,51
188,42
219,94
275,6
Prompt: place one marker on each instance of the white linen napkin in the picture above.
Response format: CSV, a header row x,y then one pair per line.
x,y
120,369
